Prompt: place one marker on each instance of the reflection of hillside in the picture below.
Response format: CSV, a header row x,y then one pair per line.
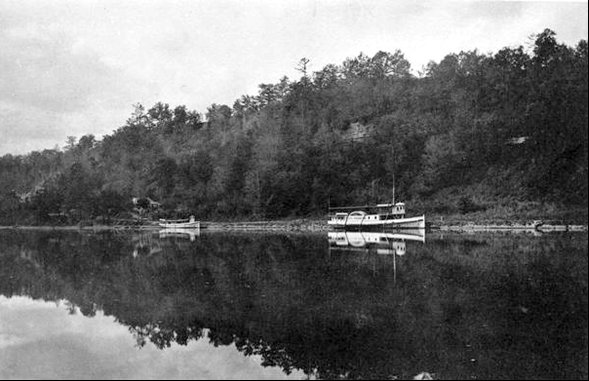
x,y
286,298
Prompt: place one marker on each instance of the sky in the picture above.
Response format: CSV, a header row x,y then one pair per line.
x,y
42,340
71,68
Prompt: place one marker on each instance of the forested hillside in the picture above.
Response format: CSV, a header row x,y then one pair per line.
x,y
472,132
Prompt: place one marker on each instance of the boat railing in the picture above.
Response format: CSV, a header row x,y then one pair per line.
x,y
380,208
347,208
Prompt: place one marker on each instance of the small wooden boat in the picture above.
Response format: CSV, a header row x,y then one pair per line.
x,y
190,223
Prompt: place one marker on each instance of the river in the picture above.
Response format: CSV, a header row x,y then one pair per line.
x,y
120,304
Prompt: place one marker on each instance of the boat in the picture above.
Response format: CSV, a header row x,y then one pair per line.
x,y
381,243
190,223
389,215
190,233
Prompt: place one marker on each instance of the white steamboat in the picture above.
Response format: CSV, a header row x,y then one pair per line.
x,y
380,215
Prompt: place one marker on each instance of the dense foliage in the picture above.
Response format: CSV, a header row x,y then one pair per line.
x,y
470,131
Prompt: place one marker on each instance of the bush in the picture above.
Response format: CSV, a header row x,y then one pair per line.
x,y
466,205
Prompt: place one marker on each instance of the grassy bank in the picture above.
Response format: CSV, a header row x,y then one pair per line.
x,y
503,215
516,214
458,207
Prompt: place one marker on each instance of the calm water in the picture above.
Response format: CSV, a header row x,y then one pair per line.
x,y
124,305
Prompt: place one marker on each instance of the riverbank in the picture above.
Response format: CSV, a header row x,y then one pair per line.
x,y
517,216
278,225
319,225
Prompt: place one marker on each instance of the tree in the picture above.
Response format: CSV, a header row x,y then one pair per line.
x,y
358,67
70,143
78,190
268,94
302,66
159,114
196,168
385,64
86,142
164,175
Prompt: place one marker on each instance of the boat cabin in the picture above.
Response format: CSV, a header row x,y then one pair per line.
x,y
399,209
340,217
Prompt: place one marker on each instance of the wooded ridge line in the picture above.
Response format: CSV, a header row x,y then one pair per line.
x,y
497,136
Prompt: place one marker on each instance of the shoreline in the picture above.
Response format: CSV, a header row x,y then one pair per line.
x,y
305,226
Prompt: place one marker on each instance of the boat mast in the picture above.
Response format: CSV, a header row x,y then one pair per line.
x,y
393,188
394,161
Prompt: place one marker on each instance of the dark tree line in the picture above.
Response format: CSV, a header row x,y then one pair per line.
x,y
471,132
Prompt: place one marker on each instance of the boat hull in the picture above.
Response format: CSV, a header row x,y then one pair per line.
x,y
366,222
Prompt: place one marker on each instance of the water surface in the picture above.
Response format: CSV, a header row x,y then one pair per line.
x,y
242,305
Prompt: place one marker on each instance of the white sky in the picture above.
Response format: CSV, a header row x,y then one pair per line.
x,y
41,340
77,67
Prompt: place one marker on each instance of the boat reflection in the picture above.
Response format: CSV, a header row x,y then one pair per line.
x,y
149,243
384,243
180,233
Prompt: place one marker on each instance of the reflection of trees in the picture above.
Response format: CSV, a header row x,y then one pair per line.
x,y
282,297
